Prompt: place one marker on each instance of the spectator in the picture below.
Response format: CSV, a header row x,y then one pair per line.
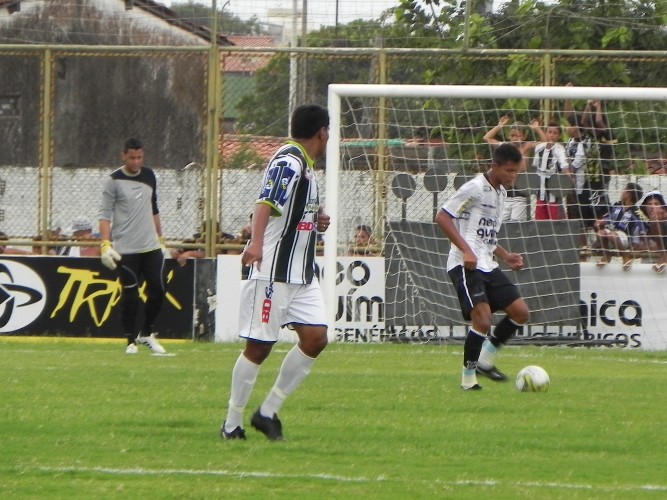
x,y
10,250
550,158
584,168
81,229
654,209
595,119
516,204
363,242
622,228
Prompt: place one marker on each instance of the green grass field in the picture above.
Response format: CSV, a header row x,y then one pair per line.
x,y
80,419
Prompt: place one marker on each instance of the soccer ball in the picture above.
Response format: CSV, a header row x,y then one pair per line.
x,y
532,379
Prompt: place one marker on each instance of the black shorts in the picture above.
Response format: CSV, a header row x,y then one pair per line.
x,y
477,287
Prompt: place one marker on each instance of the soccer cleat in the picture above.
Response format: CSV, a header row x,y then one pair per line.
x,y
238,433
475,387
151,342
493,373
131,349
270,427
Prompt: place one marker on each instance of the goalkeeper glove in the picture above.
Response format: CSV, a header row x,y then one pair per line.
x,y
109,255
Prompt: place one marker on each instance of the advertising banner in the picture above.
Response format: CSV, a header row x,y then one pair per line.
x,y
359,293
624,306
79,297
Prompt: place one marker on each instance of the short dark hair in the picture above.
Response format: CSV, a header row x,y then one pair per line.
x,y
575,120
506,153
132,143
365,228
307,120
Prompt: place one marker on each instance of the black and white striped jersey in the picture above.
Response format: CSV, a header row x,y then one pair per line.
x,y
289,187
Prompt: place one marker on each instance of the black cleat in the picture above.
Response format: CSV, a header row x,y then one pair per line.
x,y
475,387
493,373
270,427
238,433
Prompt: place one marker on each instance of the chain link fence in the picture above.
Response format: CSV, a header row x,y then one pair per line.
x,y
66,111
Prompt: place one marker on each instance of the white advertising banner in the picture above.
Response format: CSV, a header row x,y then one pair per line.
x,y
359,293
621,306
627,306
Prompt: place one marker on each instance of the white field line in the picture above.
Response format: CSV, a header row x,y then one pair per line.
x,y
612,488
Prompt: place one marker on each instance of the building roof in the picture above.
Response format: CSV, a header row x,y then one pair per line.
x,y
251,61
155,8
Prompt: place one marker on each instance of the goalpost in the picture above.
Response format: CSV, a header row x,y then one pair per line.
x,y
396,152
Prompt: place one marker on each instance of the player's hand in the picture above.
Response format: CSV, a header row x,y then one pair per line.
x,y
323,220
252,255
469,261
504,120
108,255
515,261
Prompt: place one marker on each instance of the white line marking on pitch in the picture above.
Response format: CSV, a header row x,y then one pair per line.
x,y
348,479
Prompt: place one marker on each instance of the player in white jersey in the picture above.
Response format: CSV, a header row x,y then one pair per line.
x,y
280,287
471,219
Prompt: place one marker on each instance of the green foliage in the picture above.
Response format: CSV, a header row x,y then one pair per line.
x,y
81,419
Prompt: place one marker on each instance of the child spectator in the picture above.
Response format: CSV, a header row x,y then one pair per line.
x,y
550,158
655,212
622,228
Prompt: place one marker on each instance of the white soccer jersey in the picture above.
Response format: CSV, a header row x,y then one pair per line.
x,y
289,187
477,209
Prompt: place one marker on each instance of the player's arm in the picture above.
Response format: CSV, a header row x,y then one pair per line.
x,y
514,260
158,225
446,224
254,251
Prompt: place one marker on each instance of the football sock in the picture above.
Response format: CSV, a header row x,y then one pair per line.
x,y
469,378
503,331
487,356
296,366
244,376
471,349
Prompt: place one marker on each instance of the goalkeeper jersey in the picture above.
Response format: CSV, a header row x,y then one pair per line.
x,y
130,202
289,187
477,209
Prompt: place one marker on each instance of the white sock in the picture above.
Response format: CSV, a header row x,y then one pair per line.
x,y
244,376
296,366
487,356
468,378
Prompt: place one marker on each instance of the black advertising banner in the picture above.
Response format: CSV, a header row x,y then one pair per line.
x,y
79,297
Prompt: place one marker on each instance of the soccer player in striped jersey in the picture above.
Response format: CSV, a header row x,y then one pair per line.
x,y
279,285
471,219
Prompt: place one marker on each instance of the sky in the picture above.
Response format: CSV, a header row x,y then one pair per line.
x,y
320,12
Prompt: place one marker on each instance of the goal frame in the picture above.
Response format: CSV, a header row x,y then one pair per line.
x,y
337,92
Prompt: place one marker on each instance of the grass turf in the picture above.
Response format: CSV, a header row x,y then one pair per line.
x,y
379,421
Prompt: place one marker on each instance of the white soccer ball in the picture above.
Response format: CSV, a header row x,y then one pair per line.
x,y
532,379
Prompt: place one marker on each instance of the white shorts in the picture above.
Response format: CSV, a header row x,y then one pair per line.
x,y
266,307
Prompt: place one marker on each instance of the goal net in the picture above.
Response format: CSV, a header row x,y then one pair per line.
x,y
397,152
